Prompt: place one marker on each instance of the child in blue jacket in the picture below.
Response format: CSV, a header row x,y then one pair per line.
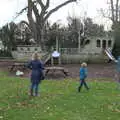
x,y
83,76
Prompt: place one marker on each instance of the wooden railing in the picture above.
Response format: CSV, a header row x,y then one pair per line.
x,y
69,50
76,51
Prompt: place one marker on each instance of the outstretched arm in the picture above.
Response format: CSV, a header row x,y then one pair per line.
x,y
29,65
42,66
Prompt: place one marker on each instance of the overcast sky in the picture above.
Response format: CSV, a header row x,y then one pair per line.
x,y
9,8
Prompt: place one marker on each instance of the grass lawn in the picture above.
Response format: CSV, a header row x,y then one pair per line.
x,y
59,100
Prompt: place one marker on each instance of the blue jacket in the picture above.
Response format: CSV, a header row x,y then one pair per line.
x,y
37,70
83,73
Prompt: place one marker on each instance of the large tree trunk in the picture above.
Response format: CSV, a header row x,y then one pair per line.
x,y
41,15
32,24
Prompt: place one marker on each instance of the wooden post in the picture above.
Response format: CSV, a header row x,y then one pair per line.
x,y
56,43
59,60
79,42
52,61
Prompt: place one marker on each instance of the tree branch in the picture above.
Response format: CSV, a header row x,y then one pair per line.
x,y
30,6
112,10
47,3
31,21
23,10
41,3
105,14
35,10
26,23
58,7
117,1
19,13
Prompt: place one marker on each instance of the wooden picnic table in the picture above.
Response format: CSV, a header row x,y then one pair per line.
x,y
54,69
17,66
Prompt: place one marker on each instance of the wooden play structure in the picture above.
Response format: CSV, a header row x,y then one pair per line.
x,y
55,61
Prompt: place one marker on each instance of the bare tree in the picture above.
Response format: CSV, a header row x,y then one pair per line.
x,y
114,11
38,14
114,15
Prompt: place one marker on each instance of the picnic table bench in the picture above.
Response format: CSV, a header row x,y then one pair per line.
x,y
17,66
54,69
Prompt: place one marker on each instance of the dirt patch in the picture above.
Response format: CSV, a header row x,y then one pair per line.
x,y
106,70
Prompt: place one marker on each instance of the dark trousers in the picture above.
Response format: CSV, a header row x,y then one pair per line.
x,y
82,82
34,88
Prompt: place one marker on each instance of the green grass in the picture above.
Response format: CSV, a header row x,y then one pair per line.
x,y
59,100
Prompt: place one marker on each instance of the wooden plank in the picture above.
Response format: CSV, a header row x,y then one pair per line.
x,y
17,66
62,69
55,68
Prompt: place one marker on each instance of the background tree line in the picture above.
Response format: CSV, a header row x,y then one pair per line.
x,y
13,34
113,14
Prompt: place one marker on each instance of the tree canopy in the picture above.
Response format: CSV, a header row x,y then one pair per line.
x,y
38,13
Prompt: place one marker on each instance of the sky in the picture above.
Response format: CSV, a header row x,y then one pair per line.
x,y
83,8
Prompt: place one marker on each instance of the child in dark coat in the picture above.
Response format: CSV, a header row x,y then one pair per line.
x,y
83,76
37,73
